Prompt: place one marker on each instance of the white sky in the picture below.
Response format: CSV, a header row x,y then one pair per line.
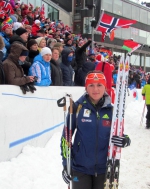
x,y
40,168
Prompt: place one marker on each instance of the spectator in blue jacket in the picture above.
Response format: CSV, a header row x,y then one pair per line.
x,y
6,33
41,67
91,119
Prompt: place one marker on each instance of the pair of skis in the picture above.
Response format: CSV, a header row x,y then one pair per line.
x,y
117,126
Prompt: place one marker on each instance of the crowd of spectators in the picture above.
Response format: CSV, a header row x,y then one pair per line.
x,y
35,50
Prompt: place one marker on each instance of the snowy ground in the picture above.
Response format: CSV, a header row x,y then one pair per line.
x,y
40,168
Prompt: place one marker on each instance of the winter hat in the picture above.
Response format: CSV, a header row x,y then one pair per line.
x,y
39,39
67,34
37,21
21,31
5,25
17,25
14,19
45,50
95,77
24,53
31,42
8,20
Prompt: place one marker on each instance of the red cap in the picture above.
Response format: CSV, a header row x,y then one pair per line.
x,y
95,77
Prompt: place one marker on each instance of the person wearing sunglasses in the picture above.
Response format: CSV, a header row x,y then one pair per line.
x,y
91,118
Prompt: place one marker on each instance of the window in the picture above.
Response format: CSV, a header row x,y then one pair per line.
x,y
135,34
143,16
147,62
53,13
117,8
126,33
126,10
87,25
142,37
135,13
107,5
135,60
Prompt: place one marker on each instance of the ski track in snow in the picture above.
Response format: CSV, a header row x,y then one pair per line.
x,y
37,168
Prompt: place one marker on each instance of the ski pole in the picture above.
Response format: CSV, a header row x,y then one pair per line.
x,y
70,137
141,122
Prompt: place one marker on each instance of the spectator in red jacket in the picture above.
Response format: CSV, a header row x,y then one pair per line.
x,y
35,27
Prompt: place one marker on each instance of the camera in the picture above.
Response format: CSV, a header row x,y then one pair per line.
x,y
35,79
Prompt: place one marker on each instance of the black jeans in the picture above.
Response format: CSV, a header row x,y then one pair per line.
x,y
83,181
148,113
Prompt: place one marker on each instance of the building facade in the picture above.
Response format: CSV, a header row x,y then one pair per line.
x,y
127,9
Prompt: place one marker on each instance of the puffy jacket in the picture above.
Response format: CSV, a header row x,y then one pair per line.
x,y
146,93
35,28
90,146
41,70
14,73
67,70
5,49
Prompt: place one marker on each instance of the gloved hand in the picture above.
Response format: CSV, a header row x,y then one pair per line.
x,y
65,176
24,88
121,141
31,87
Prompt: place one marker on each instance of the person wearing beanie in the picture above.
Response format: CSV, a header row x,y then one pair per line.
x,y
41,67
146,94
41,42
6,34
21,36
33,49
91,126
35,27
14,74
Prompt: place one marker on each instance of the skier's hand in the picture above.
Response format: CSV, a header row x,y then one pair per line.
x,y
65,176
121,141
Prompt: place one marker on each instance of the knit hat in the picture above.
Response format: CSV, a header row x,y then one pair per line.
x,y
31,42
24,53
95,77
5,25
21,31
39,39
37,21
45,50
17,25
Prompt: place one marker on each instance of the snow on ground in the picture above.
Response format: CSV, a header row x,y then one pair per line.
x,y
37,168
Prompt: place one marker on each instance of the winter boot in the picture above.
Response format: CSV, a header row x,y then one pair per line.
x,y
147,124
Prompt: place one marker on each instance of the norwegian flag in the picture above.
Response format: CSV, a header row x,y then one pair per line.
x,y
108,23
42,10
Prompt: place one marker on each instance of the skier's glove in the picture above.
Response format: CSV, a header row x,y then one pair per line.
x,y
122,142
65,176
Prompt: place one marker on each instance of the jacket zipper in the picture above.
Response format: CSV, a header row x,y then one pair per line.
x,y
98,117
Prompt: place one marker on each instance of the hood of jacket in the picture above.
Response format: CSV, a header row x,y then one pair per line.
x,y
15,51
88,66
17,38
40,59
65,54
